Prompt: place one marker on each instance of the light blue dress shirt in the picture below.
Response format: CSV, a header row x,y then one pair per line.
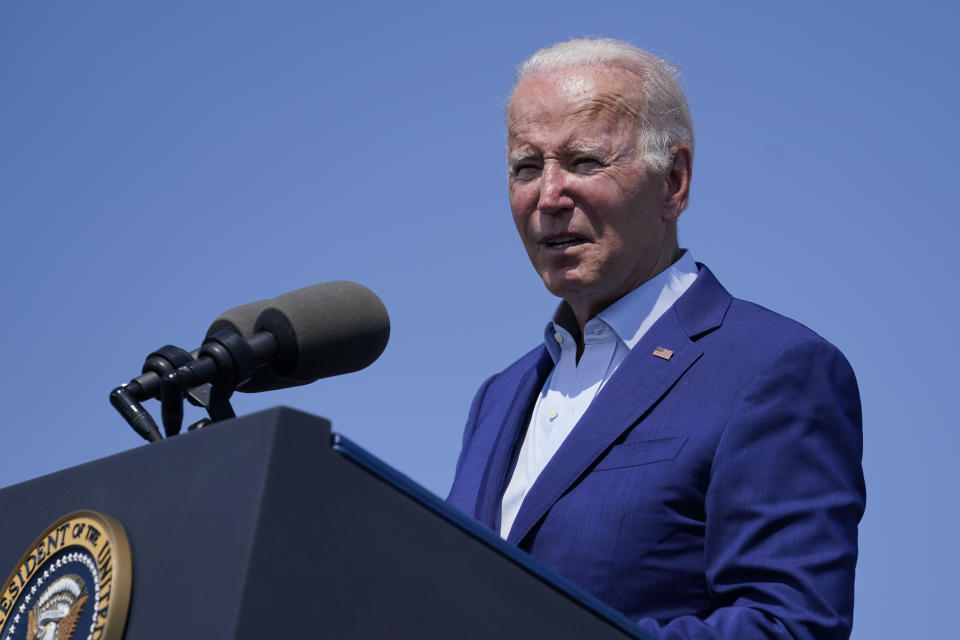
x,y
572,386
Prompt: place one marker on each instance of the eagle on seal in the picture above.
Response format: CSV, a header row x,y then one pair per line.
x,y
57,610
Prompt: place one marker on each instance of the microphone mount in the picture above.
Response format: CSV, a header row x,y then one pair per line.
x,y
206,378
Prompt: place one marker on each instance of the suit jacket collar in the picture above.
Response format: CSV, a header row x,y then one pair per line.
x,y
514,425
642,377
702,308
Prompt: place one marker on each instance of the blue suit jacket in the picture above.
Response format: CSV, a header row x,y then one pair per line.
x,y
712,495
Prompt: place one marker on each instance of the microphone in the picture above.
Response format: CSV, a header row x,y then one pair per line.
x,y
323,330
241,320
294,339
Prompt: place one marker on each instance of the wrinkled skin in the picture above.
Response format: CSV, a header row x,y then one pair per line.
x,y
595,220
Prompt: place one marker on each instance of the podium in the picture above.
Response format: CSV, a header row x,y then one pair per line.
x,y
269,526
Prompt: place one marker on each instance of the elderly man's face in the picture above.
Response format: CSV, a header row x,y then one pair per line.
x,y
595,221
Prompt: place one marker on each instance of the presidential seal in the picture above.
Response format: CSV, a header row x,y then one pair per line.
x,y
73,583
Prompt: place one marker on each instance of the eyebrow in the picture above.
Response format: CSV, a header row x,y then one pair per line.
x,y
586,148
519,156
571,150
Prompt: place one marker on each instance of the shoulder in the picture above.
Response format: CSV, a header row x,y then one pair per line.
x,y
757,361
776,351
766,325
499,390
524,364
744,330
507,382
765,335
781,372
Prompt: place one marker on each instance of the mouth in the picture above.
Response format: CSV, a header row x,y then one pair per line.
x,y
562,241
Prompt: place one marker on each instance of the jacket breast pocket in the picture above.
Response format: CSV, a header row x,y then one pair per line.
x,y
634,454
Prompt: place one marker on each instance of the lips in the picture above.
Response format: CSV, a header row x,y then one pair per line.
x,y
562,241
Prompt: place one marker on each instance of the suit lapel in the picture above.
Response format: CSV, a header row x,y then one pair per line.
x,y
640,381
514,424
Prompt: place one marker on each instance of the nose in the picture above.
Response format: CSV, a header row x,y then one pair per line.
x,y
554,192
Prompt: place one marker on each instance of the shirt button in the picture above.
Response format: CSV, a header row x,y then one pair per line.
x,y
558,337
600,331
553,414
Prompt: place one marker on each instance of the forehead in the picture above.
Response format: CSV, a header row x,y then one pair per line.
x,y
576,97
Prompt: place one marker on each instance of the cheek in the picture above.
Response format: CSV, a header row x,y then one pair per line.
x,y
521,223
522,210
523,198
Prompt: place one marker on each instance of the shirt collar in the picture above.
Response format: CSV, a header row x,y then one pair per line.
x,y
632,315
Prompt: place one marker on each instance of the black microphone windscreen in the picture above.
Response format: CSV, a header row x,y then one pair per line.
x,y
322,330
325,330
239,319
242,320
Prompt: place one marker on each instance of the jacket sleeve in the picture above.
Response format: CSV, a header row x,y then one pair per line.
x,y
785,495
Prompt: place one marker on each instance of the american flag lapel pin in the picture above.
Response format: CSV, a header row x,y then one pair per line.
x,y
663,352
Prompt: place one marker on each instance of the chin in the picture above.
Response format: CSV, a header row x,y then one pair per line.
x,y
566,287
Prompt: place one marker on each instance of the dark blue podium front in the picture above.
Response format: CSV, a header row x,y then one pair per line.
x,y
266,526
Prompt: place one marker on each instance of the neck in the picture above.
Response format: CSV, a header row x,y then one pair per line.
x,y
582,311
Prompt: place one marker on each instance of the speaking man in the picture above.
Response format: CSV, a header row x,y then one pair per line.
x,y
689,458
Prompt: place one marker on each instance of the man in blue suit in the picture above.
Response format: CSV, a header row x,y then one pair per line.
x,y
689,458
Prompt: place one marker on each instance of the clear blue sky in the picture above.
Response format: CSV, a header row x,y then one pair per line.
x,y
162,162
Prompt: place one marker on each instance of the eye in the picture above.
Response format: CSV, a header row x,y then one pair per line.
x,y
586,164
526,171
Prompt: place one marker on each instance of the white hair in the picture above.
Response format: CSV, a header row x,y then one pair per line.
x,y
664,116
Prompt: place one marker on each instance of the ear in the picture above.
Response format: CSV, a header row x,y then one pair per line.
x,y
677,182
